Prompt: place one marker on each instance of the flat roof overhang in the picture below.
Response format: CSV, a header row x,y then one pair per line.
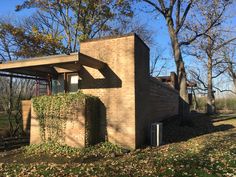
x,y
51,66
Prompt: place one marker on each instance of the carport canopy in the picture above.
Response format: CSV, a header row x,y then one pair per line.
x,y
50,66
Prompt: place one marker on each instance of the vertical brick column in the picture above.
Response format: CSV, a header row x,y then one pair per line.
x,y
26,114
117,89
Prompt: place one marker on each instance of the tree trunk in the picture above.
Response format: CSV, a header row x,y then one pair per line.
x,y
210,94
211,109
195,100
183,92
181,73
10,106
234,80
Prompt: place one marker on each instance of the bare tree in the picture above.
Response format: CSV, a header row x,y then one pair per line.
x,y
212,54
208,49
21,89
7,48
184,27
229,56
158,63
12,89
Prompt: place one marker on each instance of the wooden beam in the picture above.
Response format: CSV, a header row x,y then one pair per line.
x,y
41,72
90,62
22,77
67,67
44,69
27,72
51,65
31,71
41,61
63,70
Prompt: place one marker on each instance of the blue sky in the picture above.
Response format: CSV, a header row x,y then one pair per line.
x,y
7,7
155,23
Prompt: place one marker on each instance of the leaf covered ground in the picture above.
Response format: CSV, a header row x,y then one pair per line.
x,y
204,146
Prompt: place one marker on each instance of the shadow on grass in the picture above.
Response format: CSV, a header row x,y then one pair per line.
x,y
197,124
214,159
224,118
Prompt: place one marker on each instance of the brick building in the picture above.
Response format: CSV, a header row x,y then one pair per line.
x,y
115,69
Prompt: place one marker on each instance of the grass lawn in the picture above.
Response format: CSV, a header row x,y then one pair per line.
x,y
3,120
206,146
4,123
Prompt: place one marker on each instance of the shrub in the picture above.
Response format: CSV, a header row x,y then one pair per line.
x,y
201,103
51,148
221,103
104,149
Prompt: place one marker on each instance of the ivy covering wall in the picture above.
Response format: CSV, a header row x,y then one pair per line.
x,y
54,111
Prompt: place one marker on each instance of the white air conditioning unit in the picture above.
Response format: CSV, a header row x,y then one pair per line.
x,y
156,134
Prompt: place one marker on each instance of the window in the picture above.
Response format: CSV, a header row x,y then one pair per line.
x,y
58,85
73,82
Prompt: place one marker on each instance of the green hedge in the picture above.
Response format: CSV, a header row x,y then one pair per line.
x,y
54,111
221,103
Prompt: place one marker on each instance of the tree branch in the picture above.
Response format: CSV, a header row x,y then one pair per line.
x,y
181,23
197,77
172,3
220,72
197,35
177,14
224,90
155,6
225,43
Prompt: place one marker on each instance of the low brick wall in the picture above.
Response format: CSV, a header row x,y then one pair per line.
x,y
164,100
161,102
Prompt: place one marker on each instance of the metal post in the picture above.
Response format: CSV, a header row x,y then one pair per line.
x,y
49,85
65,83
37,88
